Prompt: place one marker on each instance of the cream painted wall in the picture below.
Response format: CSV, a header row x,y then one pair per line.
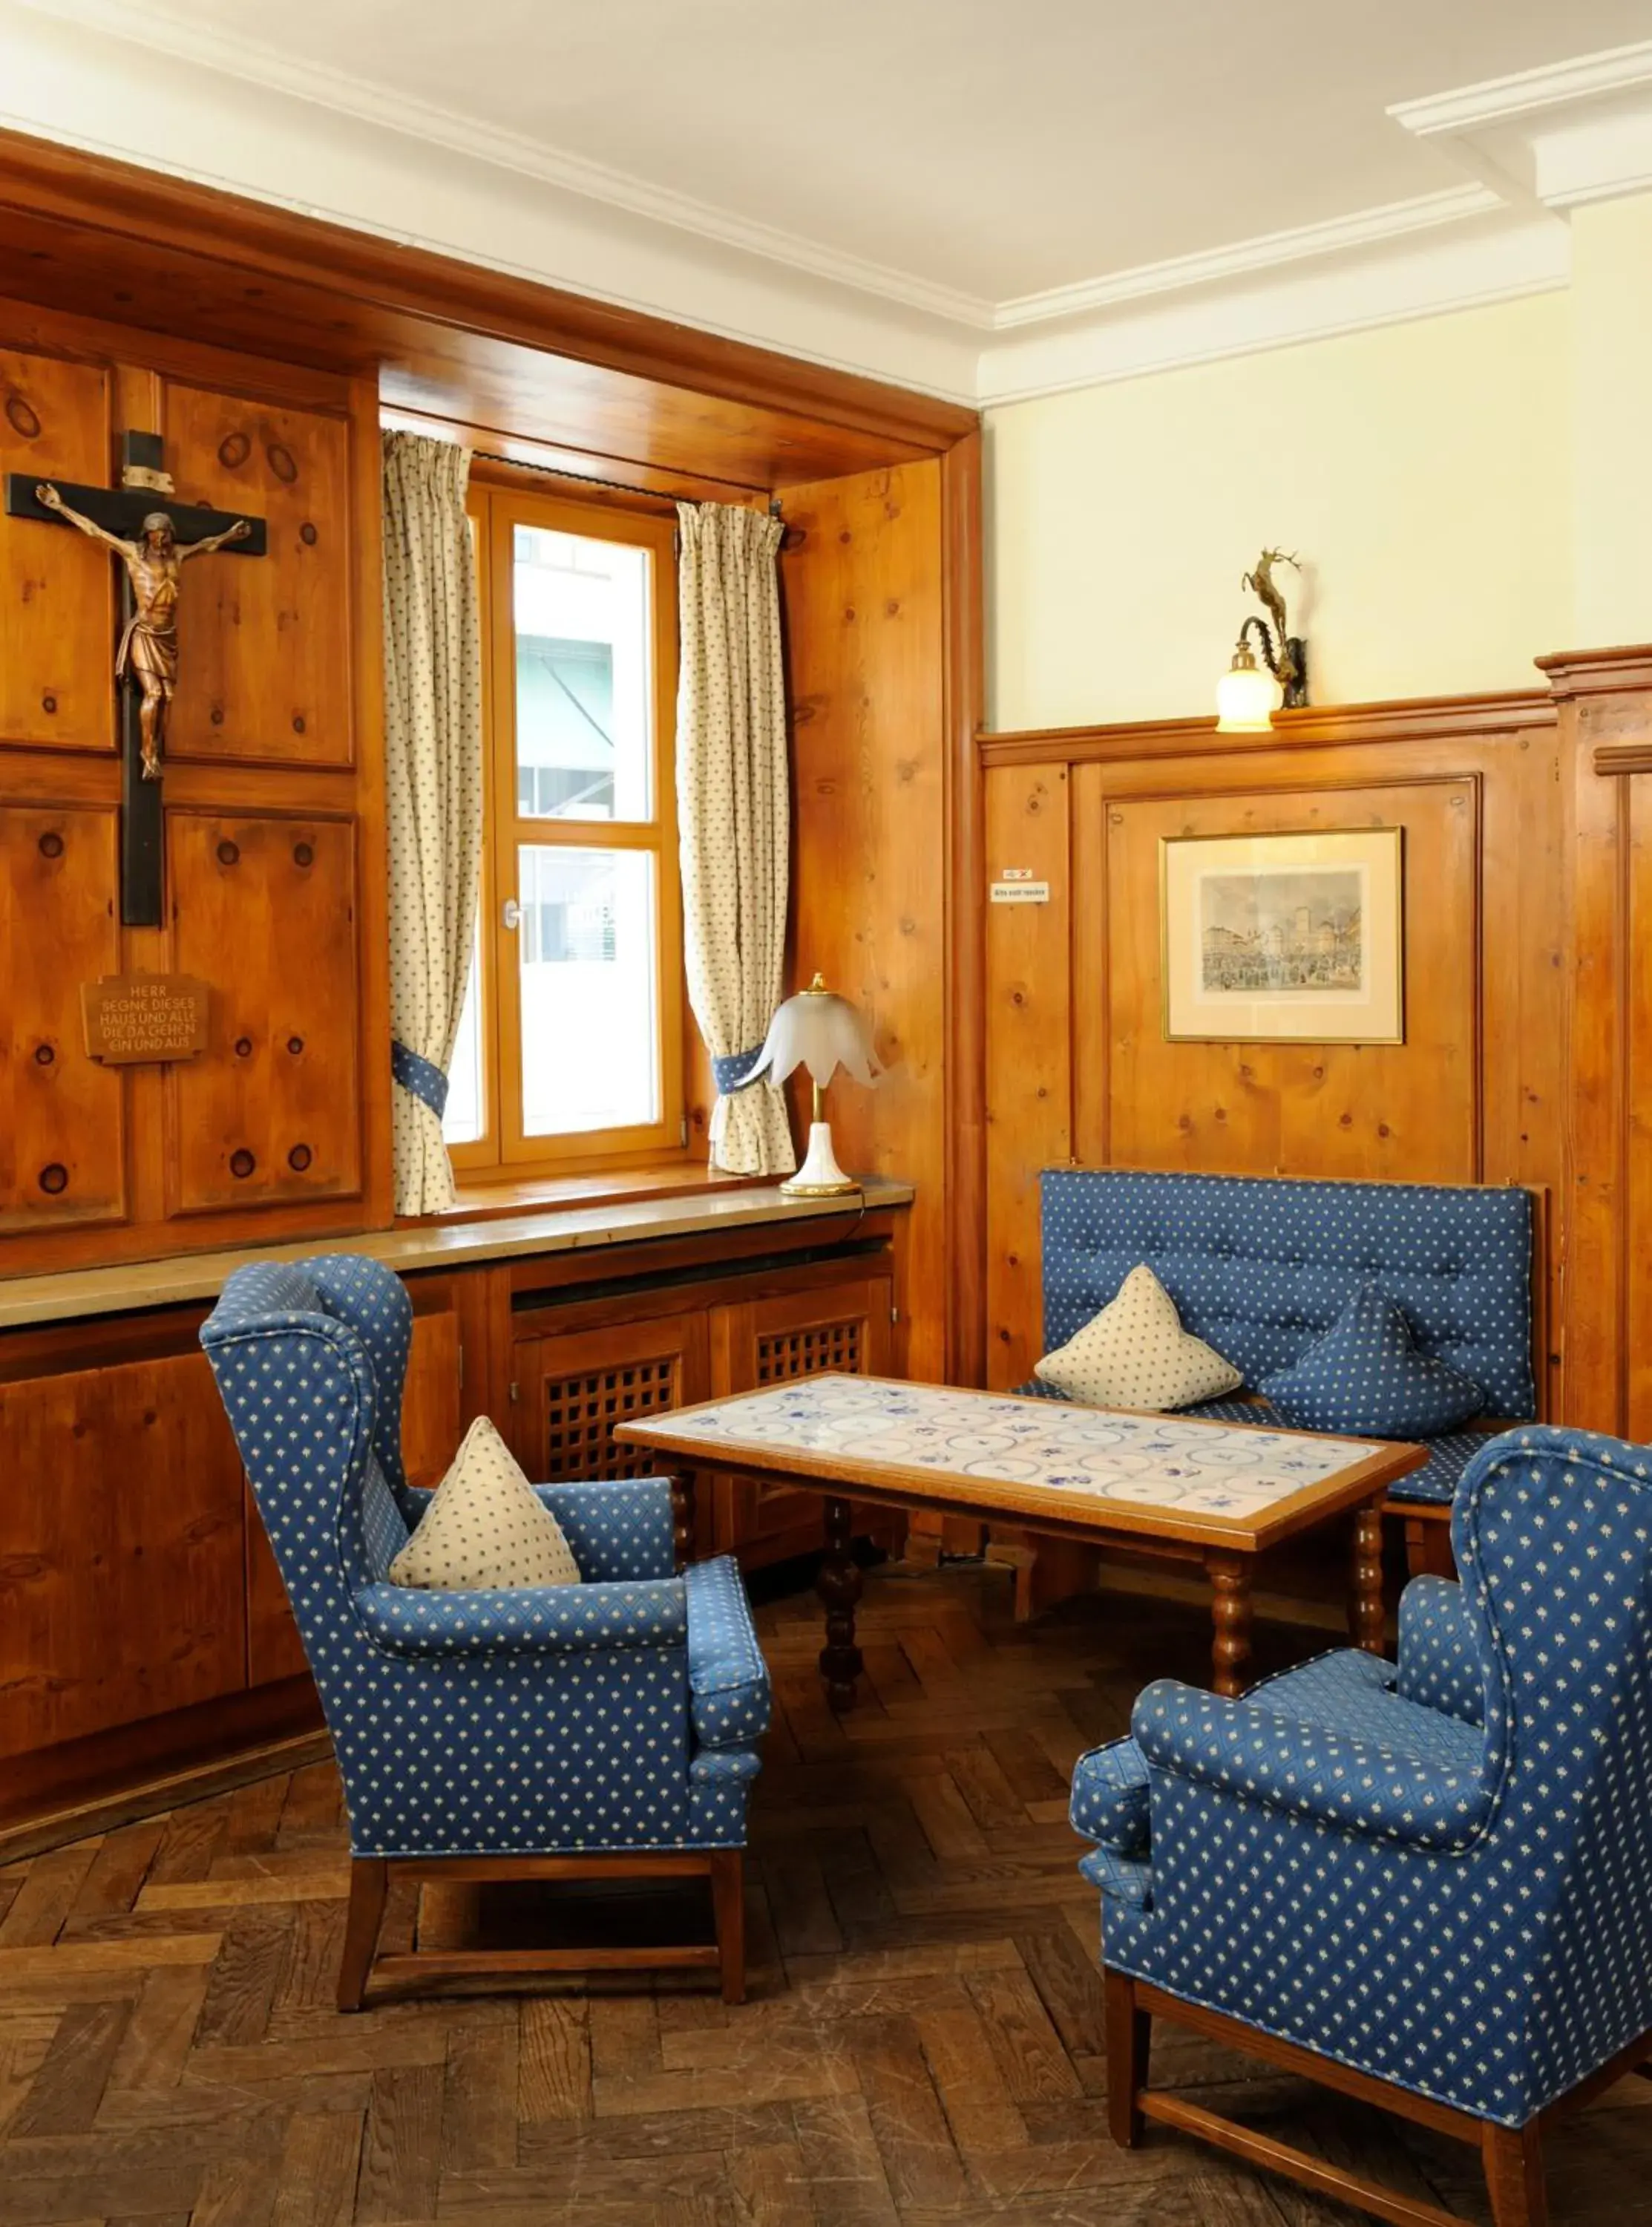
x,y
1423,471
1612,352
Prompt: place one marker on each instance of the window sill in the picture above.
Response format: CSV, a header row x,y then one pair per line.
x,y
494,1201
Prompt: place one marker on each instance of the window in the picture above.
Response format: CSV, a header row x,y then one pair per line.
x,y
570,1048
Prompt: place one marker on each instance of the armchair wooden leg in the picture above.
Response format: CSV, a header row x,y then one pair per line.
x,y
728,1909
1514,2181
369,1885
1129,2038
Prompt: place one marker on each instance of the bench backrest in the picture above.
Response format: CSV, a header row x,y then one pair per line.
x,y
1260,1265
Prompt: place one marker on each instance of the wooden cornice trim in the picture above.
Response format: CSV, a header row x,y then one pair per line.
x,y
1418,718
1624,757
94,193
1599,672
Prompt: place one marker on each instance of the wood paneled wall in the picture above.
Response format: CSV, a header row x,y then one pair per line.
x,y
1078,1069
1603,701
273,831
862,579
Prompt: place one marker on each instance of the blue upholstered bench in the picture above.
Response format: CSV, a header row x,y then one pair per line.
x,y
1260,1267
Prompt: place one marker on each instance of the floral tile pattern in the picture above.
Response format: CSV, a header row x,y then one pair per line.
x,y
1160,1461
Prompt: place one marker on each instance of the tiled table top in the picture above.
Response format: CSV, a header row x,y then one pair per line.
x,y
1162,1462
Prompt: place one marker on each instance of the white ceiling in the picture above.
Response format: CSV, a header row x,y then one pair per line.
x,y
986,163
998,148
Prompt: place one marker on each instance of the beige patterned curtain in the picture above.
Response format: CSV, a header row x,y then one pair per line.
x,y
734,813
433,750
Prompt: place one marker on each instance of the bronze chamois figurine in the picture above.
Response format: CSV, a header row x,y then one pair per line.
x,y
1284,654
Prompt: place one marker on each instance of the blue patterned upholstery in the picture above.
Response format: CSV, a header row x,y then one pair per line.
x,y
1110,1797
1459,1907
1439,1662
622,1713
1366,1375
1261,1267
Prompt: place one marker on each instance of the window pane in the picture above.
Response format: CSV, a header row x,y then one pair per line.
x,y
584,721
590,1024
463,1123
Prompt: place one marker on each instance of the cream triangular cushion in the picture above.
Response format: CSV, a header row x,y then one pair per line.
x,y
485,1526
1136,1354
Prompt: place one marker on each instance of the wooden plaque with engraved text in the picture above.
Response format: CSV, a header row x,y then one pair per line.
x,y
131,1018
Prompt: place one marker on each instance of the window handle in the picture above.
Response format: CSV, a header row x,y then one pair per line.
x,y
512,915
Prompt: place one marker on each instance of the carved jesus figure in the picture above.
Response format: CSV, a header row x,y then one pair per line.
x,y
149,647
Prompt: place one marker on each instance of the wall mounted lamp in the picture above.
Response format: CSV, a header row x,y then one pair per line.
x,y
1246,695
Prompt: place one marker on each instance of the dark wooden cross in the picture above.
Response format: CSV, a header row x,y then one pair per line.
x,y
146,661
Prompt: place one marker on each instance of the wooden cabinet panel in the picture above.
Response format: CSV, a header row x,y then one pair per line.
x,y
266,675
269,1113
429,1409
120,1549
56,588
573,1389
62,1157
843,1329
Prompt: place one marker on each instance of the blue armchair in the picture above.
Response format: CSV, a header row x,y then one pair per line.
x,y
1429,1885
607,1728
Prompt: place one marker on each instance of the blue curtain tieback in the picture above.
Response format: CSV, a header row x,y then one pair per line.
x,y
734,1073
422,1076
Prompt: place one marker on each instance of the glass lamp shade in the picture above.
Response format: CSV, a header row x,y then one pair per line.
x,y
1245,697
821,1031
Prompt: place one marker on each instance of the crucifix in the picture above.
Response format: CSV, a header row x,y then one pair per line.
x,y
140,524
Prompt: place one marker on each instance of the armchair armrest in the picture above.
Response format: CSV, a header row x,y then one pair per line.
x,y
617,1530
1441,1666
1437,1800
728,1679
524,1619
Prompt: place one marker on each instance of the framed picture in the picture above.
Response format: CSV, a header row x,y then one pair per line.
x,y
1283,937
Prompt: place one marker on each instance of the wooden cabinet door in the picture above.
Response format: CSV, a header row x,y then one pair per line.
x,y
57,598
121,1543
265,911
572,1390
62,1156
267,679
839,1329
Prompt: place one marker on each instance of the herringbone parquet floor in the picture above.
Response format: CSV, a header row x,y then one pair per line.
x,y
923,2043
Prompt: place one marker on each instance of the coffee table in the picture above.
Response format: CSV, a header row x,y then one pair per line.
x,y
1217,1494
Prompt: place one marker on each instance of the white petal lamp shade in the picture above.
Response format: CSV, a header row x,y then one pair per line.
x,y
1245,697
823,1032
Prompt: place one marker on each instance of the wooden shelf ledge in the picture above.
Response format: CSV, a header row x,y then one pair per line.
x,y
29,1301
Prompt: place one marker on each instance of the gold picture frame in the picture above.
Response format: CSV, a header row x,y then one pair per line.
x,y
1292,938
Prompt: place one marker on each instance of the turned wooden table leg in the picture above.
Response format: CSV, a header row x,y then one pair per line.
x,y
838,1586
1230,1613
1367,1615
682,1517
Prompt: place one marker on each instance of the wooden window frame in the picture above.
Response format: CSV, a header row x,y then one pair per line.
x,y
503,1153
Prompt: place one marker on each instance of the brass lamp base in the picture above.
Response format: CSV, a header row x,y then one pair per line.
x,y
820,1176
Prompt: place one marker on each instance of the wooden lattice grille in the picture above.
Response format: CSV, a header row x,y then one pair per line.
x,y
810,1352
581,1411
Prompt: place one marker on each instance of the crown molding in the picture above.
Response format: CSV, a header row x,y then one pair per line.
x,y
1267,251
122,77
1502,99
254,62
1575,133
1502,258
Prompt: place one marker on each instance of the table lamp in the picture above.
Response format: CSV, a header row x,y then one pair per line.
x,y
821,1031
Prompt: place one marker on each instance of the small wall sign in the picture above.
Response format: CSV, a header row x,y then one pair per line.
x,y
1020,892
133,1019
